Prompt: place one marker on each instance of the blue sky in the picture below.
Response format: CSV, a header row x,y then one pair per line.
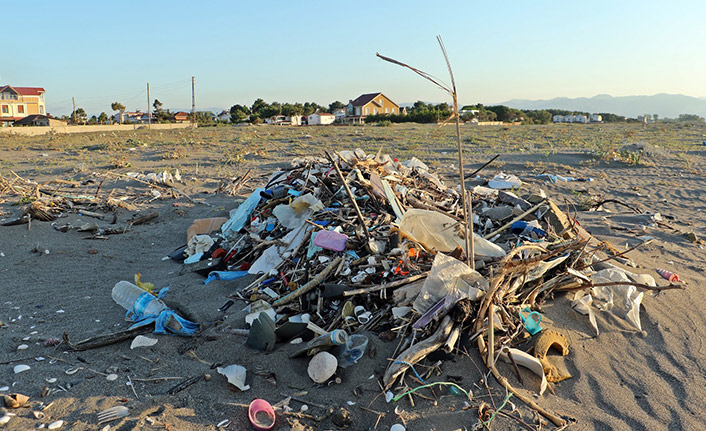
x,y
102,52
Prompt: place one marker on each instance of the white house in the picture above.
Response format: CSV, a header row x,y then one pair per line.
x,y
558,118
321,118
223,116
284,120
125,117
340,114
595,118
581,119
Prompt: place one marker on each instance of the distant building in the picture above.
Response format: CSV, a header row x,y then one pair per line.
x,y
370,104
285,120
39,120
320,118
340,115
181,117
127,117
223,116
19,102
579,118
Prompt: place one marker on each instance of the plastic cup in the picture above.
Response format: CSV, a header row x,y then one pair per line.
x,y
261,415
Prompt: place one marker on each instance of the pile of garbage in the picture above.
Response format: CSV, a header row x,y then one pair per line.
x,y
341,246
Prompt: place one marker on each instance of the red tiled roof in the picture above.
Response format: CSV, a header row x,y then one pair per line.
x,y
25,91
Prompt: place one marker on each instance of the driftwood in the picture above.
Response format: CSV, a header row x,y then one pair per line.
x,y
105,340
417,352
397,283
310,285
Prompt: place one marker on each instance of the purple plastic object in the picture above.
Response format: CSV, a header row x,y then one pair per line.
x,y
330,240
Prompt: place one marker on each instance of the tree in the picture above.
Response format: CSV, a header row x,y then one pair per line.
x,y
79,115
117,106
239,113
160,115
690,118
258,106
334,106
103,118
655,117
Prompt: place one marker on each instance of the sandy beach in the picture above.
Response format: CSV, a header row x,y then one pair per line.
x,y
55,283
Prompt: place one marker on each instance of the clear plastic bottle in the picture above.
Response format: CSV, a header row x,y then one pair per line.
x,y
133,298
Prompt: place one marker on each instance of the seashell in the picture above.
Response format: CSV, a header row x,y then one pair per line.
x,y
4,420
22,347
50,380
142,341
73,370
322,366
26,338
525,360
235,375
55,425
223,424
548,339
397,427
111,377
20,368
38,415
15,401
4,388
40,358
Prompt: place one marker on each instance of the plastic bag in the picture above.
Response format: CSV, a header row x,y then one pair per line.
x,y
449,276
443,233
240,215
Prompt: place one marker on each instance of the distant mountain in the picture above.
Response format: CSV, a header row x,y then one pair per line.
x,y
665,105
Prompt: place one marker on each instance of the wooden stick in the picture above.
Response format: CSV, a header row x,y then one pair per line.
x,y
350,195
419,351
386,286
320,278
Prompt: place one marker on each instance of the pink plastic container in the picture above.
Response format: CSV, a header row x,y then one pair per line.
x,y
261,415
330,240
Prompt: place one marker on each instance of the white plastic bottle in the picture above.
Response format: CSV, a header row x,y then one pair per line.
x,y
133,298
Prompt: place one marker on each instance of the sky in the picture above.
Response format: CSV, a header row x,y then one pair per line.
x,y
102,52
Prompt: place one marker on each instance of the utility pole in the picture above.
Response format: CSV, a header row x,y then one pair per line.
x,y
149,111
193,104
73,114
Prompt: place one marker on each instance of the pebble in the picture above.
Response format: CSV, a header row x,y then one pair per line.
x,y
20,368
4,389
111,377
397,427
5,419
22,347
56,425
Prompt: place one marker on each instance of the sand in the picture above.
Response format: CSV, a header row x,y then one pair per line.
x,y
54,283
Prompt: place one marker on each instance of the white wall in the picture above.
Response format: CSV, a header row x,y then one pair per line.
x,y
42,130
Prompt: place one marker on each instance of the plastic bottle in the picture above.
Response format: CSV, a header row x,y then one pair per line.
x,y
133,298
337,337
141,303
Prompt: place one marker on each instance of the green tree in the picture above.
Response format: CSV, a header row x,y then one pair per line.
x,y
103,118
118,107
655,117
334,106
257,107
239,113
79,116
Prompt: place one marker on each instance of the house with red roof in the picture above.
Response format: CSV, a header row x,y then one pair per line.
x,y
19,102
370,104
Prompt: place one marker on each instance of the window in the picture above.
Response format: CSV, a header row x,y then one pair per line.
x,y
20,109
381,102
5,109
387,110
367,111
375,111
41,109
